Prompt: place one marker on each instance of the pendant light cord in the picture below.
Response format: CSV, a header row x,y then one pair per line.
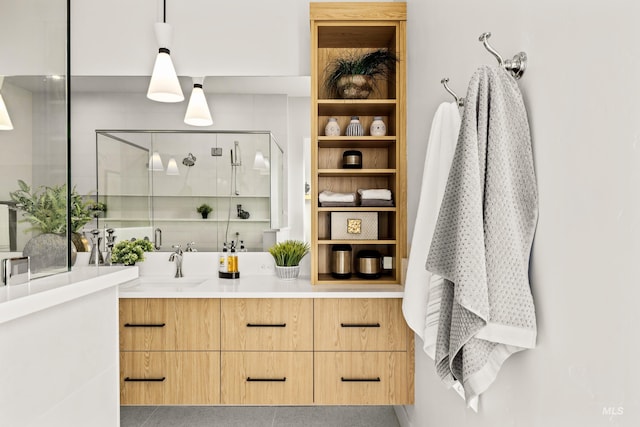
x,y
164,11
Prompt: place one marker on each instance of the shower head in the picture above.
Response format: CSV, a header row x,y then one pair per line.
x,y
190,160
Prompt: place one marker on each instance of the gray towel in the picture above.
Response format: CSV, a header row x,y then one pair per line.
x,y
483,237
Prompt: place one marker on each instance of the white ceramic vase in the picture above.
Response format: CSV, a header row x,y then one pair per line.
x,y
332,128
378,128
355,128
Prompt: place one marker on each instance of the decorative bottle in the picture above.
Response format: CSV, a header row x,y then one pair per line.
x,y
378,128
332,128
355,128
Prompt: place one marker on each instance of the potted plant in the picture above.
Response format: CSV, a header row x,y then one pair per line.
x,y
287,256
353,76
204,210
46,209
128,252
97,208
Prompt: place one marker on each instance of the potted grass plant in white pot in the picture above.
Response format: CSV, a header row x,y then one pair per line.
x,y
287,256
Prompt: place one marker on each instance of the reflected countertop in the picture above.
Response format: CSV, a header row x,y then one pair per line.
x,y
21,300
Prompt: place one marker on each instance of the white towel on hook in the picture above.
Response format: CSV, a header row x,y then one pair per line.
x,y
482,241
422,289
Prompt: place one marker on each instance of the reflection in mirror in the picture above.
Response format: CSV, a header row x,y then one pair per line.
x,y
178,187
33,48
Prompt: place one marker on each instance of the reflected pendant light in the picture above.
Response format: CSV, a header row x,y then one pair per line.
x,y
198,111
164,85
5,120
172,167
155,162
258,161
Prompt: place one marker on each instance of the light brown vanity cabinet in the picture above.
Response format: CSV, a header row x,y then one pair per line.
x,y
265,351
267,346
363,352
169,351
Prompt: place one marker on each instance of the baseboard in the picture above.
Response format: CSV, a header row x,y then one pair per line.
x,y
402,415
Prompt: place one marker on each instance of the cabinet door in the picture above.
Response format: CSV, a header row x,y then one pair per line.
x,y
169,378
267,324
169,324
359,324
267,378
361,378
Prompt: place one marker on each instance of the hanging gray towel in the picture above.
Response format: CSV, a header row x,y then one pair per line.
x,y
483,237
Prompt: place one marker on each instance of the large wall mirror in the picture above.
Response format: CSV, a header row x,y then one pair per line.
x,y
179,187
33,76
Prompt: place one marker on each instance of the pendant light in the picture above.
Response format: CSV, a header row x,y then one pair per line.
x,y
258,161
198,111
5,120
172,167
164,85
155,162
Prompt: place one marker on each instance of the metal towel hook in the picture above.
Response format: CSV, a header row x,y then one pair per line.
x,y
516,66
459,101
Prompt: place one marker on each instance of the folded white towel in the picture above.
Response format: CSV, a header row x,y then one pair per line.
x,y
375,193
330,196
421,302
482,240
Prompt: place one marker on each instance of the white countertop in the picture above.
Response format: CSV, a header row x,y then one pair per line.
x,y
39,294
250,286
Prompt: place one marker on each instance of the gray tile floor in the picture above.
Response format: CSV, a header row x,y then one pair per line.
x,y
253,416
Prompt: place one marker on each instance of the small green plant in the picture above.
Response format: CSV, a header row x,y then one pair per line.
x,y
204,209
46,208
97,208
128,252
289,253
373,64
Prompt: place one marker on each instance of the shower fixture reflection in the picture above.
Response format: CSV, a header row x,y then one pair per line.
x,y
189,161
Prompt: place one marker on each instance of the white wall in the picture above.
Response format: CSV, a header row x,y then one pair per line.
x,y
580,90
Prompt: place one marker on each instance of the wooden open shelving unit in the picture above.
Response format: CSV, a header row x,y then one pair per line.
x,y
336,30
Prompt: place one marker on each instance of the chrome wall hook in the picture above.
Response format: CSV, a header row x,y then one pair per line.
x,y
516,66
459,101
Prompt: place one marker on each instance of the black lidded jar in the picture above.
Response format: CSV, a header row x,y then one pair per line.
x,y
352,159
341,261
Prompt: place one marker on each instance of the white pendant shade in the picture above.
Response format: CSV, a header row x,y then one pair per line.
x,y
172,167
267,166
164,85
198,111
258,161
155,162
5,120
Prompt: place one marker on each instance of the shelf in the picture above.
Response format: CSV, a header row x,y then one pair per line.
x,y
223,196
356,242
198,220
358,209
356,107
356,172
356,141
328,279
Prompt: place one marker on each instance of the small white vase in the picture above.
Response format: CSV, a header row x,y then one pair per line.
x,y
332,128
288,273
355,128
378,128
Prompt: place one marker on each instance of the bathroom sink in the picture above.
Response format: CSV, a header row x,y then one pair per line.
x,y
164,283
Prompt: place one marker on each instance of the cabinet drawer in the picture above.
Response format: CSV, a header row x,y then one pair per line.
x,y
268,324
359,324
267,378
361,378
169,324
169,378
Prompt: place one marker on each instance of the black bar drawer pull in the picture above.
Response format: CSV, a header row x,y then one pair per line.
x,y
144,325
141,380
283,379
360,325
266,325
360,380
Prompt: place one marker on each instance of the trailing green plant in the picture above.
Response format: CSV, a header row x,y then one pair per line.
x,y
375,64
289,253
97,207
46,208
204,208
128,252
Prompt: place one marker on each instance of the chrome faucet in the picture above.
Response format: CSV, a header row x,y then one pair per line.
x,y
177,257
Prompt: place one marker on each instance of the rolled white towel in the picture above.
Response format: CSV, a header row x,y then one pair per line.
x,y
330,196
375,193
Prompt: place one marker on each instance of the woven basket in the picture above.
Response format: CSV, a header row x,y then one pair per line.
x,y
287,273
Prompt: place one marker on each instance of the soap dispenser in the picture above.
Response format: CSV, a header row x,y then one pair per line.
x,y
231,263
